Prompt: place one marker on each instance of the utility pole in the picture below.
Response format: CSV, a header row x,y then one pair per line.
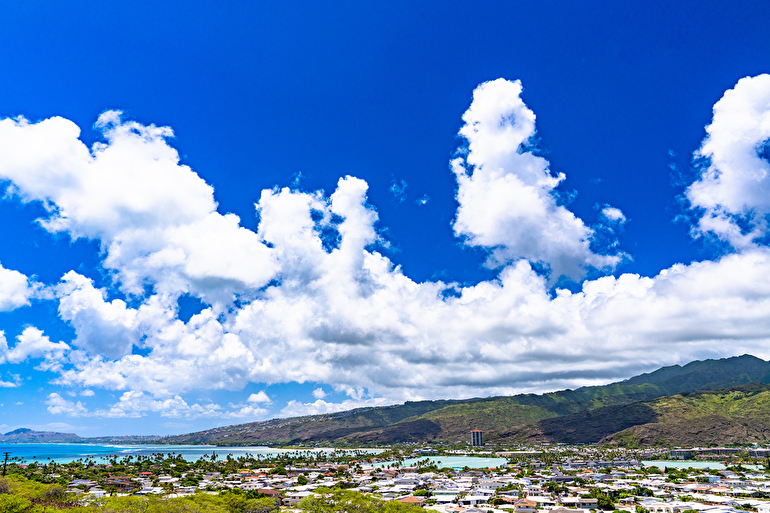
x,y
5,461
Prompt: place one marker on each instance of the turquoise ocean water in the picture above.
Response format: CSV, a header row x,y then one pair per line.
x,y
64,453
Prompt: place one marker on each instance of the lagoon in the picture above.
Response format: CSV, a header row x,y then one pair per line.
x,y
713,465
455,462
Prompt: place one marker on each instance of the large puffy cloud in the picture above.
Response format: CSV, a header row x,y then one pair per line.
x,y
155,218
183,356
337,311
374,333
733,191
506,192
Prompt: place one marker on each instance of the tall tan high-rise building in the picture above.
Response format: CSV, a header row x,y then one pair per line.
x,y
477,438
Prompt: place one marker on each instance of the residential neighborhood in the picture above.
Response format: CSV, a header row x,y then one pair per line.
x,y
528,479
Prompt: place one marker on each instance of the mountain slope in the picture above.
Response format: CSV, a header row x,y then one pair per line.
x,y
698,375
315,427
25,435
733,415
737,415
548,416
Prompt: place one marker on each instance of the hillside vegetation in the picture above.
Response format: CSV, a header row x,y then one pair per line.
x,y
737,415
630,411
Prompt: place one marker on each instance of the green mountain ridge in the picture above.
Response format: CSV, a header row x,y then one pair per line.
x,y
587,414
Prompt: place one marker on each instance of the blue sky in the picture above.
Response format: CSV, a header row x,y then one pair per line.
x,y
408,226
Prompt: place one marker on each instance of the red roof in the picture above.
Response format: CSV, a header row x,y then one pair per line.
x,y
412,500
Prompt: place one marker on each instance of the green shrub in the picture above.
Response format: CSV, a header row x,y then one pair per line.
x,y
14,504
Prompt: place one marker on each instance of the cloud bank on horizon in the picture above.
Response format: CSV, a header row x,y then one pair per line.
x,y
309,296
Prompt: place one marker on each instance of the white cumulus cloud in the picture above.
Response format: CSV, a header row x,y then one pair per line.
x,y
137,404
105,328
155,218
259,397
15,289
58,405
733,191
506,192
31,343
613,215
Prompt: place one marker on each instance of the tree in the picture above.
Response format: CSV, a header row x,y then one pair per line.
x,y
241,503
556,488
603,501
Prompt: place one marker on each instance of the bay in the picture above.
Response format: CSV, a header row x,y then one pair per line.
x,y
65,453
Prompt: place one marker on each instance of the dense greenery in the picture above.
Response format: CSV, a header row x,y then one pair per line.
x,y
18,494
352,502
24,496
736,415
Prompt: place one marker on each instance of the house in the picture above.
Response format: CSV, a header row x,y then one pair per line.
x,y
525,506
480,490
445,499
121,485
570,502
563,510
667,507
293,498
472,500
76,483
411,499
542,502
